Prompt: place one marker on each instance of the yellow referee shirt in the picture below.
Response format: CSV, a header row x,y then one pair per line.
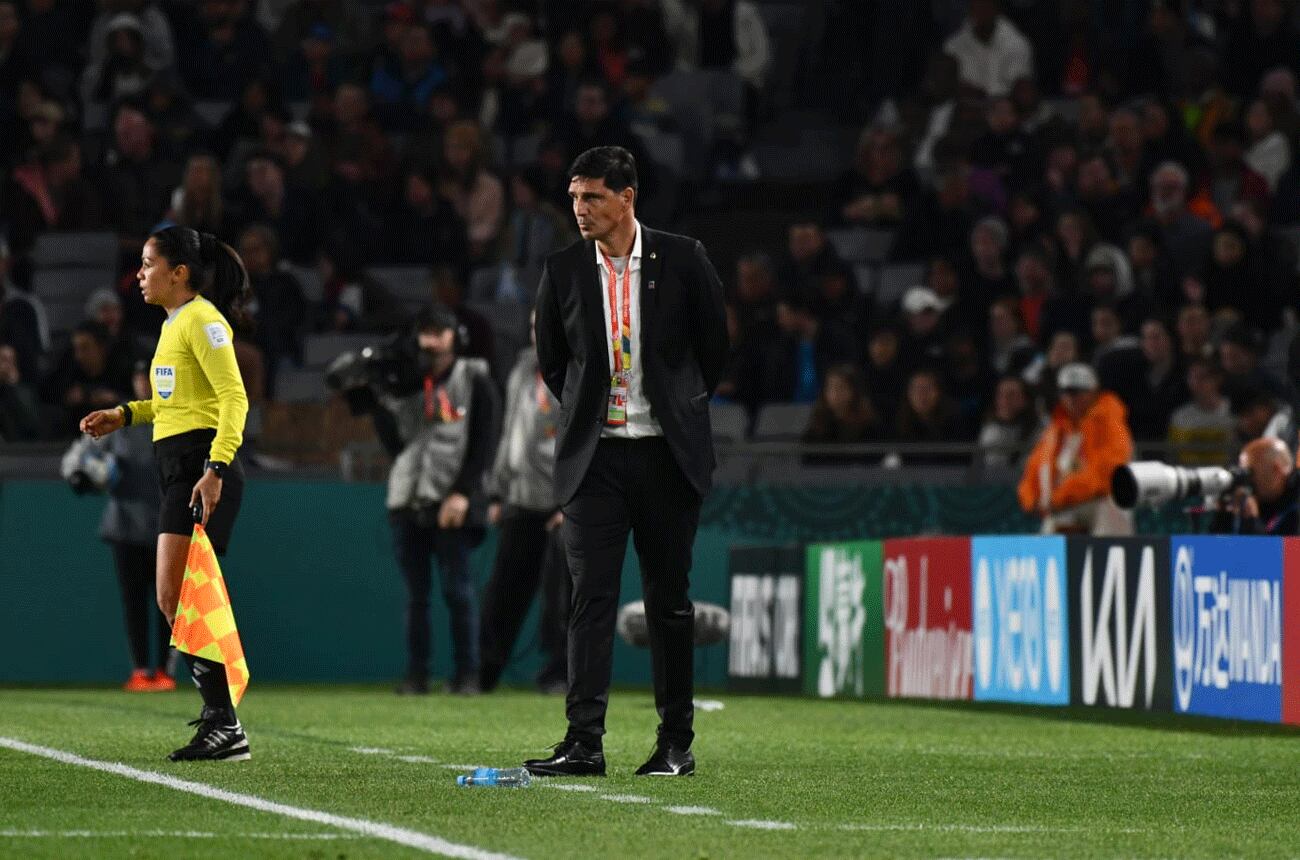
x,y
195,380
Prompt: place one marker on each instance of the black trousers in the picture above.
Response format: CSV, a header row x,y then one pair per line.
x,y
136,568
632,485
527,555
417,541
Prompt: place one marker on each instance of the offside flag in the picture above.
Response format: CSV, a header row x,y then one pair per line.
x,y
205,623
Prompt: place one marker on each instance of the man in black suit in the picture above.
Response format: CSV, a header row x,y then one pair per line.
x,y
632,339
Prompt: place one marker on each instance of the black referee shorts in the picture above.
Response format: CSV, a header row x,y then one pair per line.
x,y
180,461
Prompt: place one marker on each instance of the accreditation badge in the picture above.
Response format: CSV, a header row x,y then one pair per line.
x,y
616,411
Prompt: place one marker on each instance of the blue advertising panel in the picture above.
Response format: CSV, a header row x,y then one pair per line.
x,y
1020,609
1227,626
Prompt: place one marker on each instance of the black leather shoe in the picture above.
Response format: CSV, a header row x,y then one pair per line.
x,y
571,758
668,760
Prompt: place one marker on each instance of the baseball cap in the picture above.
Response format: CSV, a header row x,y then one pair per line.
x,y
919,298
1077,376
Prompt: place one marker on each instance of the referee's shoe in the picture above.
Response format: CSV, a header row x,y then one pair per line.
x,y
220,738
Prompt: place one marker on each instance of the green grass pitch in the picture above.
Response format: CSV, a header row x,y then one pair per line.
x,y
841,779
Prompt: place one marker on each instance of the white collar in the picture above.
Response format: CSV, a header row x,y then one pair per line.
x,y
636,249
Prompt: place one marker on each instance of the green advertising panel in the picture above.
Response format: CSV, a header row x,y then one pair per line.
x,y
844,652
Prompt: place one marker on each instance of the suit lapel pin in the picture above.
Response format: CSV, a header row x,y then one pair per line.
x,y
652,255
652,285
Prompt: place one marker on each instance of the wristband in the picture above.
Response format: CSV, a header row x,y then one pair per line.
x,y
126,414
218,468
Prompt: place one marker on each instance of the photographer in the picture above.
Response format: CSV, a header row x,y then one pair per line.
x,y
1269,505
530,550
1067,476
130,526
447,429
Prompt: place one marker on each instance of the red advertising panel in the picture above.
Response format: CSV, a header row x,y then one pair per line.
x,y
1291,630
927,607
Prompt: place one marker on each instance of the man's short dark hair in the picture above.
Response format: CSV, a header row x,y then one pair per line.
x,y
1251,398
614,164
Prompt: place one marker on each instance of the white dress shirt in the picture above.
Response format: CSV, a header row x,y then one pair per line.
x,y
639,421
995,65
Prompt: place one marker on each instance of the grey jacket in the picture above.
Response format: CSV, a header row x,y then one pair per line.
x,y
521,475
428,468
131,515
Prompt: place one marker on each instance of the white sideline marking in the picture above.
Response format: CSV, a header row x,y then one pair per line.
x,y
763,825
568,786
693,810
378,830
627,798
983,828
463,766
182,834
371,750
417,759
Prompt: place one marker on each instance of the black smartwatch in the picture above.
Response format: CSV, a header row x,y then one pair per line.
x,y
218,468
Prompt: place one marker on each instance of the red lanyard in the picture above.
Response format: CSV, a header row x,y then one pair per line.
x,y
539,391
624,342
444,411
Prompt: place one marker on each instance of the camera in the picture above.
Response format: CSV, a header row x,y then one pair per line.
x,y
1154,483
392,368
88,468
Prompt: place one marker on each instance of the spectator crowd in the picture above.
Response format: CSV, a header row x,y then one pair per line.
x,y
1114,183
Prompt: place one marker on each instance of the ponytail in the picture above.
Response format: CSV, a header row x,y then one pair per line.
x,y
227,284
216,272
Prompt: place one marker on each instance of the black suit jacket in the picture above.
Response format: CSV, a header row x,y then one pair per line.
x,y
683,351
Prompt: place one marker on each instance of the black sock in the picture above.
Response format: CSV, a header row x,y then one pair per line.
x,y
210,677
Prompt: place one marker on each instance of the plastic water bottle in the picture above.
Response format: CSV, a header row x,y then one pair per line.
x,y
504,777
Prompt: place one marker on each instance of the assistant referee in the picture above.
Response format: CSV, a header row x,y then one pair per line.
x,y
197,411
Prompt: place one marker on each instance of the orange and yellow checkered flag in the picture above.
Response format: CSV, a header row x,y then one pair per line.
x,y
205,624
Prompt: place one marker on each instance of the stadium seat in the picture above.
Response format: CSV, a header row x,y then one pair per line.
x,y
520,150
777,422
318,350
787,31
94,116
865,276
313,289
411,285
62,314
702,102
69,284
60,250
860,245
213,112
300,386
666,149
485,282
894,280
730,421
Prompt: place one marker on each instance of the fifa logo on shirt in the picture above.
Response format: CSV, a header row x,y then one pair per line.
x,y
164,380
